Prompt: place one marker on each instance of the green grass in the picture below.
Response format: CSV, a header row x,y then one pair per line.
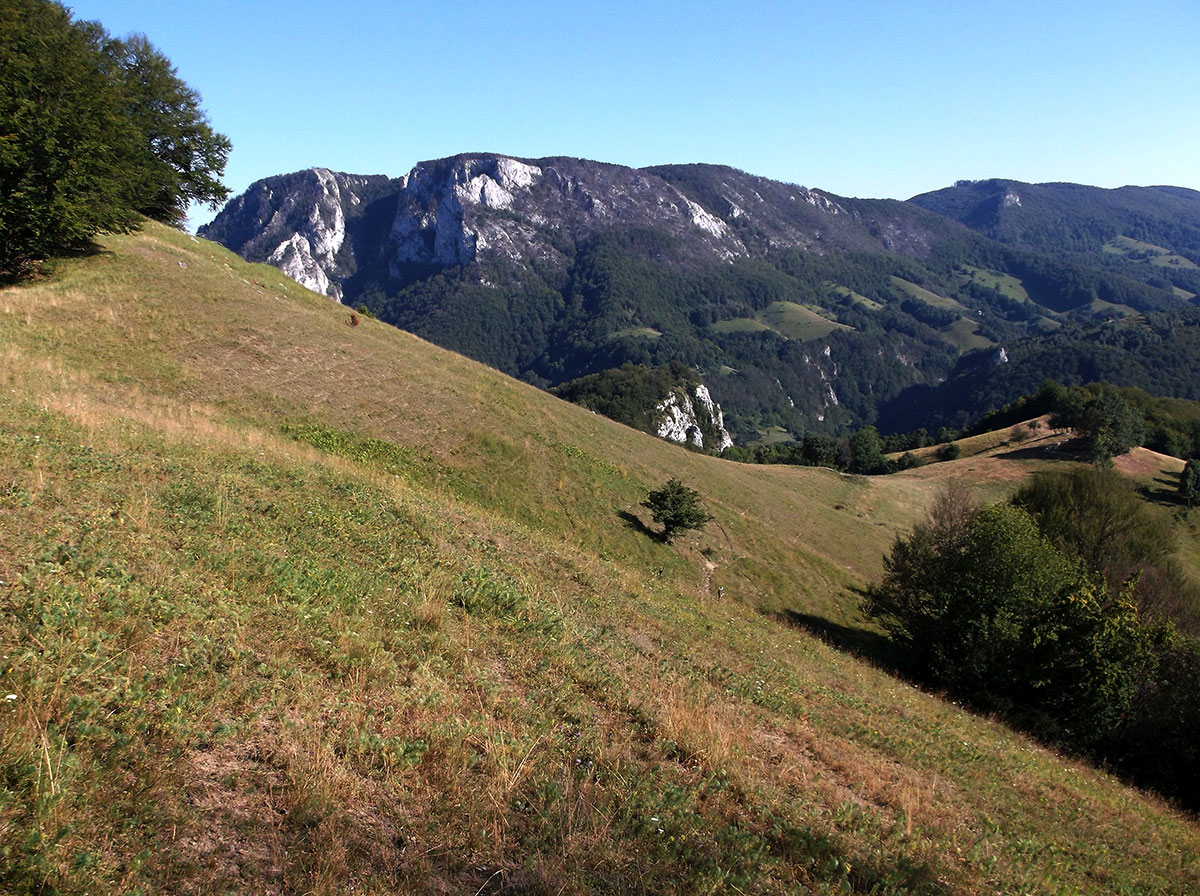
x,y
788,319
846,292
798,322
774,434
1005,284
925,295
294,606
964,334
739,325
1137,250
1112,309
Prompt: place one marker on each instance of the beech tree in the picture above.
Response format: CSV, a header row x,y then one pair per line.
x,y
63,140
179,157
1109,425
987,607
94,132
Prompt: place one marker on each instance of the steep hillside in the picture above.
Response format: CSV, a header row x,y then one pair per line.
x,y
296,605
799,310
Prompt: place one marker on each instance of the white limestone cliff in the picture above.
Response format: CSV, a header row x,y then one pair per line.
x,y
679,421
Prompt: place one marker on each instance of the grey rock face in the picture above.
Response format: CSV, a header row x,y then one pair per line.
x,y
456,211
451,212
298,223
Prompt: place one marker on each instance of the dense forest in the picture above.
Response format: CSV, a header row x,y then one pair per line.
x,y
793,340
1156,352
1077,220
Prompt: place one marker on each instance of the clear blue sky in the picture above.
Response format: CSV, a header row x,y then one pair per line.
x,y
873,99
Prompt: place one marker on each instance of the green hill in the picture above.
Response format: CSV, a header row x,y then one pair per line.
x,y
297,604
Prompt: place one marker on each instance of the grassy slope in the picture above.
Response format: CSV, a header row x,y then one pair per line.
x,y
295,606
789,320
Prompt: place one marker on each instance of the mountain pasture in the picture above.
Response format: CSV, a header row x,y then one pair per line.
x,y
298,604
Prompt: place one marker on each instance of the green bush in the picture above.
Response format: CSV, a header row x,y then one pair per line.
x,y
988,608
1097,516
950,451
676,508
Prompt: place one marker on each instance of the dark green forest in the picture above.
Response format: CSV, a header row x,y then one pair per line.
x,y
1157,353
873,337
1061,611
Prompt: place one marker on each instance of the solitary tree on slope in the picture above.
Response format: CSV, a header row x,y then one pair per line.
x,y
677,508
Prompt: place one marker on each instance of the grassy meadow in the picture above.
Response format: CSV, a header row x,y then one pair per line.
x,y
291,605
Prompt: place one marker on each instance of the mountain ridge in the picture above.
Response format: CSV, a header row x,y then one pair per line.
x,y
557,268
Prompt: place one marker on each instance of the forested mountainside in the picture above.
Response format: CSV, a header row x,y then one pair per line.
x,y
1148,233
1156,352
799,310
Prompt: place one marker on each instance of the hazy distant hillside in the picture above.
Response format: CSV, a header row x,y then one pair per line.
x,y
799,310
1158,352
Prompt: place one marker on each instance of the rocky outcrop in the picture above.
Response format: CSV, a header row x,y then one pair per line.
x,y
457,211
300,224
686,418
521,214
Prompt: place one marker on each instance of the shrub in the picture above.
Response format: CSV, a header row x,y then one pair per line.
x,y
1097,516
676,508
990,609
950,451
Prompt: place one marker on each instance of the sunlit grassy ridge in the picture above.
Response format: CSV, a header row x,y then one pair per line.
x,y
291,605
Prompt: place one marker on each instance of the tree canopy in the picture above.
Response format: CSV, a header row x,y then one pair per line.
x,y
94,131
990,609
179,157
1003,607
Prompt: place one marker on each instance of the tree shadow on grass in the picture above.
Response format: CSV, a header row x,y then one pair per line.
x,y
1165,490
873,646
1059,451
634,522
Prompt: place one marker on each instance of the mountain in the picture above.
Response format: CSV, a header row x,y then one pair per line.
x,y
798,310
1156,352
1149,233
291,605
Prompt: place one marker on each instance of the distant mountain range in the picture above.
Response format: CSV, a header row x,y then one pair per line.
x,y
800,310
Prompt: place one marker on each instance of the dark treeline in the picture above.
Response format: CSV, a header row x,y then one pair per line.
x,y
1156,352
